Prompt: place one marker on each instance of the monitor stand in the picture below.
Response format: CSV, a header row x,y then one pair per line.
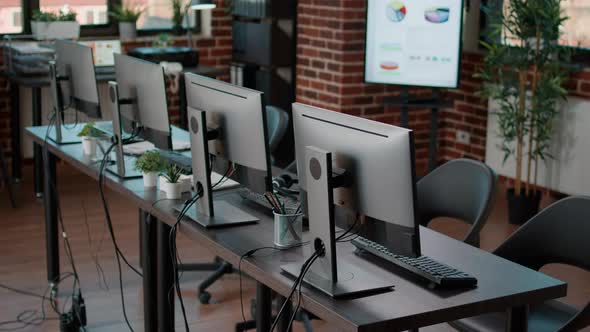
x,y
60,133
335,278
123,167
207,212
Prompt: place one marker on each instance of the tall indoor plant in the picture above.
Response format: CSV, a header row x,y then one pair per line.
x,y
177,16
524,74
127,16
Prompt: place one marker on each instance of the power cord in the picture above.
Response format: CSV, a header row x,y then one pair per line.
x,y
78,309
118,253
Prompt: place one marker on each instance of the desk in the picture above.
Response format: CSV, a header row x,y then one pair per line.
x,y
36,83
503,285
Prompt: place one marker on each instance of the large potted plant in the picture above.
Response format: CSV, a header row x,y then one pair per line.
x,y
127,16
150,164
177,16
524,73
50,25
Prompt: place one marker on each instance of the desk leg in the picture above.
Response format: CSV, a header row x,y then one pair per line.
x,y
148,257
38,176
182,103
518,319
165,280
15,132
51,225
263,308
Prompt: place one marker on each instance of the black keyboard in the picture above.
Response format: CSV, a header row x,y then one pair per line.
x,y
291,204
438,274
181,160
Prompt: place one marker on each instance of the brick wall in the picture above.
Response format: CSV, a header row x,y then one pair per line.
x,y
330,65
214,51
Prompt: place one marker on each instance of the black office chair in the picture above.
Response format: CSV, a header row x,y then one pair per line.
x,y
6,178
462,189
277,122
558,234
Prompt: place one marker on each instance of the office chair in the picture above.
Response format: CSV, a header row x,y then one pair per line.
x,y
558,234
462,189
277,122
6,178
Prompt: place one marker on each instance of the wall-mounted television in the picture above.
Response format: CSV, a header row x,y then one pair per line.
x,y
414,42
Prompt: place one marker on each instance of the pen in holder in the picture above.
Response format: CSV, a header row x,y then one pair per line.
x,y
288,229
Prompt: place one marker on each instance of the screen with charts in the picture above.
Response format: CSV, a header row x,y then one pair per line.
x,y
103,51
414,42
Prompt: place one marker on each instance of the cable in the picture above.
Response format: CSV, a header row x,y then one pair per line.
x,y
118,254
299,279
175,256
299,295
94,254
22,292
250,253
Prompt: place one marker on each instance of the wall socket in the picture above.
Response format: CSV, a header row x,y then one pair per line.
x,y
463,137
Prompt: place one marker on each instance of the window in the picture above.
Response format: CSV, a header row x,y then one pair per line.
x,y
10,16
84,8
576,30
158,14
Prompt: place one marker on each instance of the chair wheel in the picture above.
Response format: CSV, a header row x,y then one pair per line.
x,y
204,297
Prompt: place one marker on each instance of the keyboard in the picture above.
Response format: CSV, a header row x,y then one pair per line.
x,y
181,160
104,70
438,274
291,204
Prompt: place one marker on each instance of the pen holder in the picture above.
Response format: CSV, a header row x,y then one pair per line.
x,y
288,229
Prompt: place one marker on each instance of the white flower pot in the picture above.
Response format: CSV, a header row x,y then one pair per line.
x,y
172,190
150,179
127,30
55,30
89,146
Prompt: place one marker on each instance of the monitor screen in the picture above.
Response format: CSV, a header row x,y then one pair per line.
x,y
104,51
414,42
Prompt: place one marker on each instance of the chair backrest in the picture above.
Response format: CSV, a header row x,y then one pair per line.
x,y
558,234
277,122
462,189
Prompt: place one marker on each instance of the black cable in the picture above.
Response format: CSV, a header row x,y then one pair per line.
x,y
250,253
101,277
19,291
175,256
118,254
299,294
299,279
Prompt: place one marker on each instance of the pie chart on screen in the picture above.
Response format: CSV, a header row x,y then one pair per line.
x,y
396,11
437,15
389,65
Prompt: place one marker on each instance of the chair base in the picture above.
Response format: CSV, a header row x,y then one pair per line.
x,y
219,268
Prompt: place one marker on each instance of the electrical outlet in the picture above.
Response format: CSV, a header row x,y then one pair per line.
x,y
463,137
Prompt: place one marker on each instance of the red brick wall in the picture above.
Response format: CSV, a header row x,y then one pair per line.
x,y
214,51
330,65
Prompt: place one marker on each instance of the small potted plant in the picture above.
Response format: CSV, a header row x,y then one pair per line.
x,y
150,164
171,184
127,16
89,136
50,25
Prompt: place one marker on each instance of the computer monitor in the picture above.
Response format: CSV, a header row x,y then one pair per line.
x,y
361,165
104,51
226,122
139,104
73,85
